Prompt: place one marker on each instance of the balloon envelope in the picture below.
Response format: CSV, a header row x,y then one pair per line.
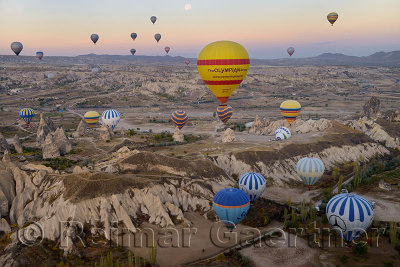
x,y
133,35
310,170
253,184
16,47
187,62
290,51
283,132
332,17
224,112
39,55
167,49
94,37
290,109
95,70
27,114
133,51
91,118
153,19
231,206
223,65
110,118
157,36
51,75
179,118
350,215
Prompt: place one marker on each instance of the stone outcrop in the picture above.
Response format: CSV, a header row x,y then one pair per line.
x,y
17,144
392,115
106,133
6,156
80,130
178,135
228,136
4,226
3,144
258,126
383,185
50,150
45,127
371,108
62,141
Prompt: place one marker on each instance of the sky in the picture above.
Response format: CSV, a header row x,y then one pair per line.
x,y
266,28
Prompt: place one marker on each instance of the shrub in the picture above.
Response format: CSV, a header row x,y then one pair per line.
x,y
344,259
360,249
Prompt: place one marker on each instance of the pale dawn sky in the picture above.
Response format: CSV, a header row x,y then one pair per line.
x,y
264,27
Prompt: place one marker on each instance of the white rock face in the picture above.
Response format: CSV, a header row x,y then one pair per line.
x,y
17,144
178,135
62,141
375,131
80,130
228,136
4,227
106,133
3,144
267,127
50,149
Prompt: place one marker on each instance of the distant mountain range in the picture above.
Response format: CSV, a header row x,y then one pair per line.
x,y
377,59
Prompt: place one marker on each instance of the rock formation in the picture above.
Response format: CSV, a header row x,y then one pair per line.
x,y
106,133
46,126
17,144
371,108
80,130
392,116
49,149
178,135
62,141
3,144
6,156
258,125
228,136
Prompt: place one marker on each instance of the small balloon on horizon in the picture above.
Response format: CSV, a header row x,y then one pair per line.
x,y
188,7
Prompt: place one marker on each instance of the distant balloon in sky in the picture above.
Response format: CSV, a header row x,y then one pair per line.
x,y
94,37
187,62
133,36
16,47
95,70
167,49
179,118
157,36
27,114
223,65
51,76
133,51
224,113
290,51
153,19
290,109
332,17
188,6
39,55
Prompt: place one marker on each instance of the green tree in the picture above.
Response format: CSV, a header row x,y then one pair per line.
x,y
393,233
339,184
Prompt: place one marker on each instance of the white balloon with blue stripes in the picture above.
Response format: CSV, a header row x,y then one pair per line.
x,y
110,118
310,170
282,133
253,184
350,215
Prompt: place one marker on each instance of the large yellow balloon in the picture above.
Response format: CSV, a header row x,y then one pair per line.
x,y
223,65
290,109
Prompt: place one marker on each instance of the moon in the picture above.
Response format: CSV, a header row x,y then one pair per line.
x,y
188,7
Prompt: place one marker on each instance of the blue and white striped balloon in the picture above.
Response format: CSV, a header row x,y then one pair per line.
x,y
253,184
110,118
282,131
350,215
310,170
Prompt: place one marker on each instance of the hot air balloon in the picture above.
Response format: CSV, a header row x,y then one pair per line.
x,y
157,36
167,49
16,47
51,76
310,170
133,36
187,62
350,215
153,19
110,118
290,51
290,109
223,65
133,51
231,206
224,112
94,37
253,184
282,133
95,70
179,118
91,118
39,55
332,17
27,114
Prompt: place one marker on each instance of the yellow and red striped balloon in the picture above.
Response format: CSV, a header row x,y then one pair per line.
x,y
332,17
91,118
223,65
290,109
